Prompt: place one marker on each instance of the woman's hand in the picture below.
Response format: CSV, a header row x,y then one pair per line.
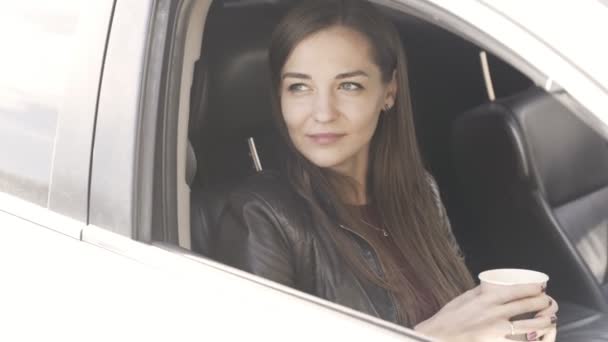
x,y
551,333
481,317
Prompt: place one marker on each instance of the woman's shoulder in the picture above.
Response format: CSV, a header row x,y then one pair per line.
x,y
262,229
270,192
268,186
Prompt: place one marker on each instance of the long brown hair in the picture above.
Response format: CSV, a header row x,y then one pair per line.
x,y
397,180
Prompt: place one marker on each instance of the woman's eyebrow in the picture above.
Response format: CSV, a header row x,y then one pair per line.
x,y
338,77
351,74
296,75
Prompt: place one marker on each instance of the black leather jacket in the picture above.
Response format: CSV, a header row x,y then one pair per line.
x,y
265,229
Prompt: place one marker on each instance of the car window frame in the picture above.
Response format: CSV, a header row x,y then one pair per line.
x,y
130,98
485,26
136,218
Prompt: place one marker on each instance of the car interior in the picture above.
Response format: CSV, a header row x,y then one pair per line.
x,y
524,180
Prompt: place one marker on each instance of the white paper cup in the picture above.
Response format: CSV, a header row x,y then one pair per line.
x,y
498,278
504,278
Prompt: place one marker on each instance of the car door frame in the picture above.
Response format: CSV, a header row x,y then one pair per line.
x,y
125,170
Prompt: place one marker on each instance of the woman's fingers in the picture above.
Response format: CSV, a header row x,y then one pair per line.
x,y
550,336
546,335
551,310
528,326
518,307
542,333
510,331
513,293
533,329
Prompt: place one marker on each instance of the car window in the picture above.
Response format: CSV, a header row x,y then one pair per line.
x,y
38,45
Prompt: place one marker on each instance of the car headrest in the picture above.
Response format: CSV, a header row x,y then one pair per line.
x,y
232,102
554,149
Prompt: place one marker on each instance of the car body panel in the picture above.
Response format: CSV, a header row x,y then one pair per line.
x,y
69,186
50,66
60,288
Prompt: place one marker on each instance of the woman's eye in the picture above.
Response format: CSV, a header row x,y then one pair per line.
x,y
350,86
297,87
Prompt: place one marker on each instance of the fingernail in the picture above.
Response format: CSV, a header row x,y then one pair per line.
x,y
553,319
532,336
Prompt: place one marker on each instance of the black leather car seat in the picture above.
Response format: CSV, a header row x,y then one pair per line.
x,y
537,180
229,104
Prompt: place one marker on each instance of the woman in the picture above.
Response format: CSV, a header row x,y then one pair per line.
x,y
354,217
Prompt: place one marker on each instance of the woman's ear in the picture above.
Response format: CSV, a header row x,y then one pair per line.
x,y
391,91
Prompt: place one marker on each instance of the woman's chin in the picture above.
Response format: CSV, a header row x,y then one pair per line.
x,y
324,161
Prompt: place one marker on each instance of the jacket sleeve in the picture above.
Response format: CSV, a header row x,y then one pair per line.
x,y
252,237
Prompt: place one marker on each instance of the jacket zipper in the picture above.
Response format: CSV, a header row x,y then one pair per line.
x,y
371,245
374,250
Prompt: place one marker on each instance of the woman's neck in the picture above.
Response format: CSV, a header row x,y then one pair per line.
x,y
356,169
355,191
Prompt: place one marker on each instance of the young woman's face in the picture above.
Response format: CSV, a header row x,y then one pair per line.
x,y
332,94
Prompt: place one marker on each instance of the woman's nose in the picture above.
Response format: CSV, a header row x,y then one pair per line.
x,y
324,109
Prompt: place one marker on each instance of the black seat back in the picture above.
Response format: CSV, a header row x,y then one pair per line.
x,y
231,97
537,180
230,103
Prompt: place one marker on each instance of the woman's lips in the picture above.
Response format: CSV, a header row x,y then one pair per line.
x,y
325,138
